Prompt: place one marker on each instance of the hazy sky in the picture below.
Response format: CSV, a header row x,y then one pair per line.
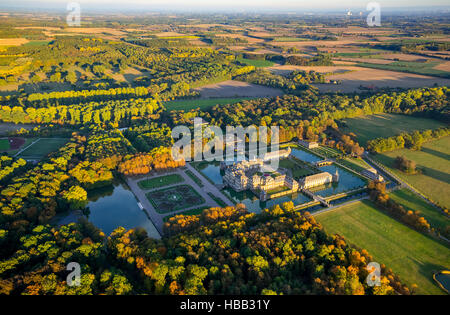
x,y
228,4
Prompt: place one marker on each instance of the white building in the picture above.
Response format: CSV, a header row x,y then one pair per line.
x,y
372,174
308,145
316,180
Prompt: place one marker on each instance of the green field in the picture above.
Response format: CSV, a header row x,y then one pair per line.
x,y
202,103
413,202
37,43
197,180
4,144
411,255
432,161
256,63
386,125
161,181
424,68
42,147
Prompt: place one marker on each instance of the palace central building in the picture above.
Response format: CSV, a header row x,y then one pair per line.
x,y
250,175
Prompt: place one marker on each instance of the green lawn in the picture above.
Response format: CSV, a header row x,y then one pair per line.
x,y
357,165
4,144
161,181
386,125
42,147
327,152
202,103
297,170
411,255
256,63
432,162
413,202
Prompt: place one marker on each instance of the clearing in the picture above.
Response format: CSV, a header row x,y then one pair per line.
x,y
160,181
237,89
386,125
353,77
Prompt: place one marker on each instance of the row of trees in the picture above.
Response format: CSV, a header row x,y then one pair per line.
x,y
88,113
413,140
411,218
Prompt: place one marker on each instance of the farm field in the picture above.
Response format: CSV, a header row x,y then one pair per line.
x,y
235,89
413,202
433,163
352,77
379,78
161,181
386,125
411,255
425,68
202,103
42,147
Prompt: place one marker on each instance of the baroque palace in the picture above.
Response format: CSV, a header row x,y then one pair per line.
x,y
253,175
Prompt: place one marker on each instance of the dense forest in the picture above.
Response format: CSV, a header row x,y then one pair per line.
x,y
231,252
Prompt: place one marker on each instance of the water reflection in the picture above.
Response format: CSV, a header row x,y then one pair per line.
x,y
305,156
212,171
347,181
114,206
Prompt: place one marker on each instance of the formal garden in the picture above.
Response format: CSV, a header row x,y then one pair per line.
x,y
174,198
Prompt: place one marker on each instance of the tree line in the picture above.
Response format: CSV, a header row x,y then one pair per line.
x,y
412,140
